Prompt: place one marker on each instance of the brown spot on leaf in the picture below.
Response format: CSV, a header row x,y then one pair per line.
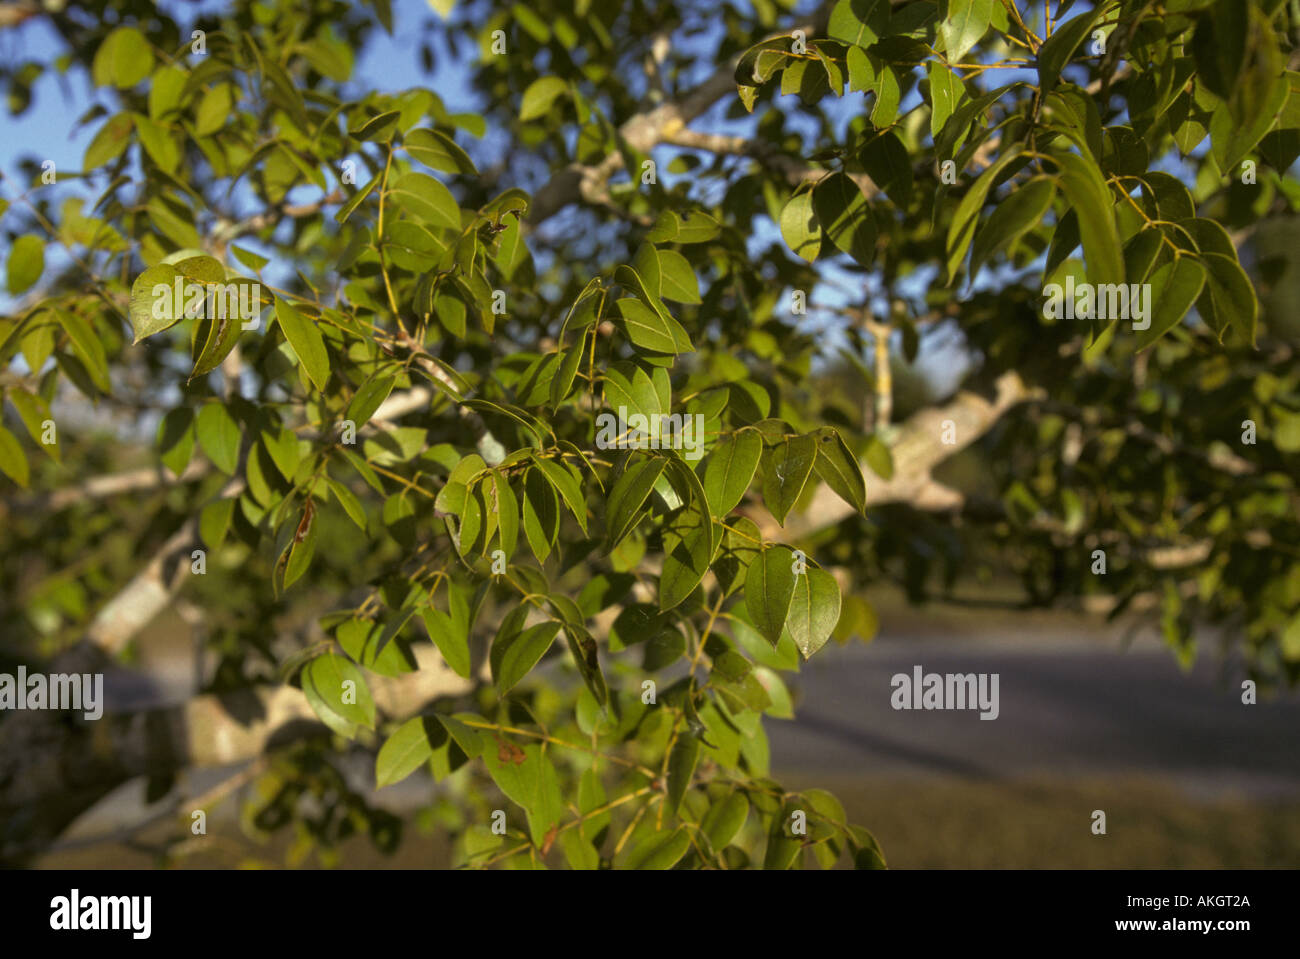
x,y
508,752
549,839
304,525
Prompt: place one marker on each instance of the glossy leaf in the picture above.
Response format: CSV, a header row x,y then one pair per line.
x,y
730,470
513,656
814,610
307,343
769,591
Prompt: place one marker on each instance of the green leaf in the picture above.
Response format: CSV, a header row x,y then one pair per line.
x,y
964,220
966,22
782,848
1219,46
166,90
569,488
660,850
838,468
109,143
724,820
623,508
1057,49
1228,298
249,259
301,551
152,313
363,470
218,435
357,198
34,411
1286,437
513,258
769,590
306,341
1235,128
886,161
862,75
562,384
582,646
176,438
405,751
439,152
845,217
1088,194
541,514
427,200
860,22
1174,288
222,335
1141,253
946,91
469,739
205,270
506,510
787,464
799,227
370,395
214,109
158,143
730,470
678,280
26,263
123,59
539,96
681,769
858,619
807,78
338,693
514,655
531,783
87,346
688,548
450,638
814,610
214,522
578,851
13,461
648,276
282,446
879,458
637,395
1020,212
377,645
378,129
645,327
471,520
888,95
630,279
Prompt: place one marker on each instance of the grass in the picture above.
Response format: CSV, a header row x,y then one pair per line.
x,y
920,824
925,824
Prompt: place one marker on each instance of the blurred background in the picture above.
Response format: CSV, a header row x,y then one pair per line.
x,y
1091,718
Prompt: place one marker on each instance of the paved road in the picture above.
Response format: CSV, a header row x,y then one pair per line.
x,y
1067,708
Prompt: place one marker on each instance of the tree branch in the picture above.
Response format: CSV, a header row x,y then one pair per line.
x,y
115,484
919,449
58,769
577,182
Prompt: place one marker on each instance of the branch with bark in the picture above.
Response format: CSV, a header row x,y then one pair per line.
x,y
920,448
581,183
51,771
